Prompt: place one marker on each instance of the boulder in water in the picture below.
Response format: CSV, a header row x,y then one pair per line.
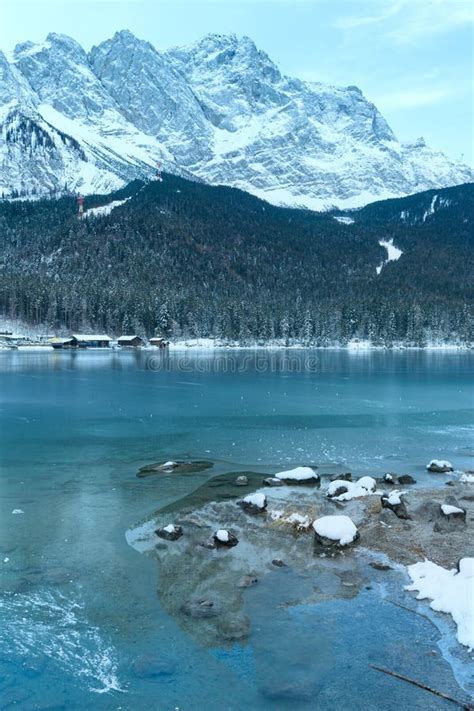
x,y
341,477
405,479
200,609
439,466
273,481
224,539
241,480
334,532
174,467
254,503
170,532
305,476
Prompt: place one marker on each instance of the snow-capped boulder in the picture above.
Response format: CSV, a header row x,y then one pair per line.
x,y
224,538
395,503
170,532
439,466
335,531
365,486
299,475
389,478
241,480
337,487
254,503
453,512
467,478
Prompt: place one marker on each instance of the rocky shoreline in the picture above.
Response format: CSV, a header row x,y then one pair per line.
x,y
211,551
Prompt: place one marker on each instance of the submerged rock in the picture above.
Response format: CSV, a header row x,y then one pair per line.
x,y
151,666
172,467
224,538
273,481
253,503
170,532
439,466
234,629
278,563
200,609
395,503
247,581
341,477
241,480
406,479
380,566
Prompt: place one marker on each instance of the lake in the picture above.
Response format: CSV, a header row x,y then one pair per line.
x,y
80,621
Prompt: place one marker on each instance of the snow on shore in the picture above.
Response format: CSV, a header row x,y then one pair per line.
x,y
450,591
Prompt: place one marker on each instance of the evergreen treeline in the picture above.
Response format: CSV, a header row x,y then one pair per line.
x,y
186,259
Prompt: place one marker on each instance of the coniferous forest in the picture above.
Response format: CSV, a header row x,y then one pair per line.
x,y
184,259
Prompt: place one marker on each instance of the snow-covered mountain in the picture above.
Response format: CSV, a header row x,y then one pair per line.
x,y
219,110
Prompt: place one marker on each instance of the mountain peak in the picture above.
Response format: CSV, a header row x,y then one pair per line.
x,y
219,109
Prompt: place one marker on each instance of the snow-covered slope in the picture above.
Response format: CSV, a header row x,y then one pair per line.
x,y
219,109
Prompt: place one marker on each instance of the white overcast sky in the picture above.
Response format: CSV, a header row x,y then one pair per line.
x,y
412,58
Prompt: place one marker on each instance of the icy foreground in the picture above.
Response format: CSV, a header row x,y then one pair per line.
x,y
218,109
301,530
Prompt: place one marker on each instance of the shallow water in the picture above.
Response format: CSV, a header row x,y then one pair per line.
x,y
78,606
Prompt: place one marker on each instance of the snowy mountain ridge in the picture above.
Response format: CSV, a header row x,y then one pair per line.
x,y
218,110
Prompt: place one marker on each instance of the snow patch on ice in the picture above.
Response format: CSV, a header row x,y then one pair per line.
x,y
450,591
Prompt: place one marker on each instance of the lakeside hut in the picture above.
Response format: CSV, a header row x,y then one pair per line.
x,y
94,340
158,342
130,341
58,343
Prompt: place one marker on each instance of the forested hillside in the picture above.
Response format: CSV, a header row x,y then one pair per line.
x,y
187,259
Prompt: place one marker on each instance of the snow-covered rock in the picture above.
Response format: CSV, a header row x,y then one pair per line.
x,y
299,475
439,466
450,591
467,478
223,537
218,109
395,503
170,532
347,490
254,503
339,530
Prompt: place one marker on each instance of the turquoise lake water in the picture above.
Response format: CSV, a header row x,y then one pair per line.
x,y
80,622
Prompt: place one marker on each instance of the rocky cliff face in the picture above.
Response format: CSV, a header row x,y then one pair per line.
x,y
219,109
